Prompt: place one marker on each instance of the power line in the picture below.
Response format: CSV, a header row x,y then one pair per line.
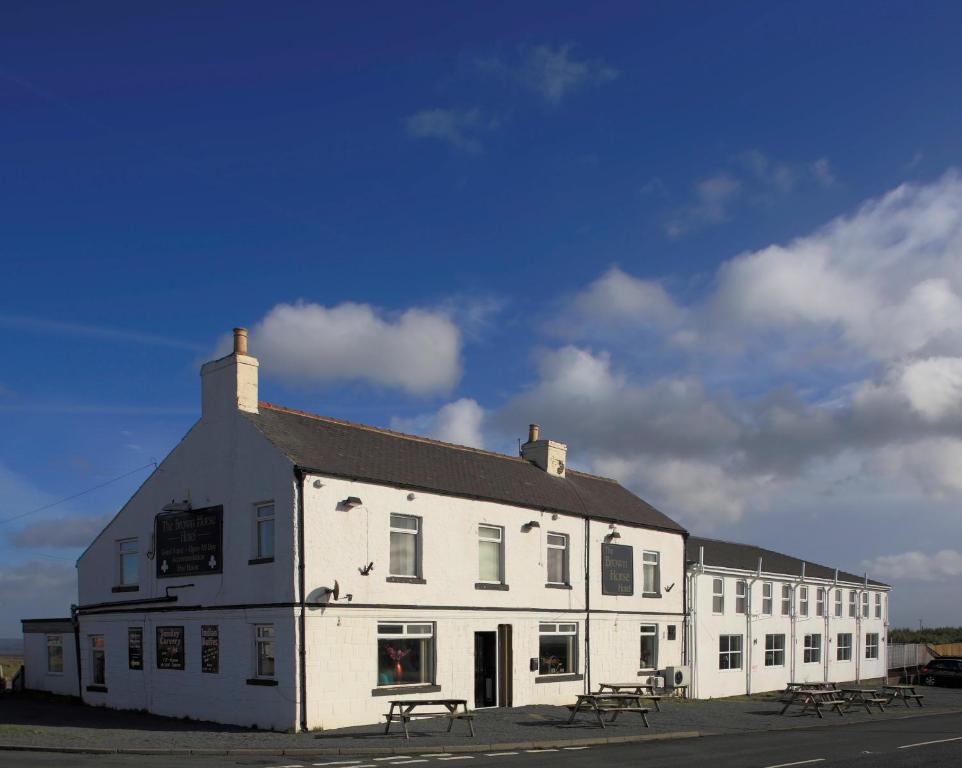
x,y
74,496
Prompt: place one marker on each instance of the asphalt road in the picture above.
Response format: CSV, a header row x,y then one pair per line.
x,y
931,741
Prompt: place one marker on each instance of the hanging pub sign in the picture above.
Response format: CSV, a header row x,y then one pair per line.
x,y
190,543
135,648
209,648
170,647
617,570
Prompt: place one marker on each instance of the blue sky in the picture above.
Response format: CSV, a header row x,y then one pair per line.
x,y
713,248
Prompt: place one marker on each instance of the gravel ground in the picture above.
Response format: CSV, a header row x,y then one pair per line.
x,y
34,720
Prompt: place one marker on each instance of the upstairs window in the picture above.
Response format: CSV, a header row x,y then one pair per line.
x,y
651,573
803,601
718,595
786,600
865,605
264,530
878,605
405,546
490,554
55,654
852,604
128,563
820,602
838,603
767,599
649,646
741,596
557,558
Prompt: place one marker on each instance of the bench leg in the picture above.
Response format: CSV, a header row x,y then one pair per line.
x,y
787,705
471,727
657,706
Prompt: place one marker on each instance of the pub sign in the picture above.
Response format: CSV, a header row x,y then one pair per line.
x,y
170,647
135,648
209,648
617,570
190,543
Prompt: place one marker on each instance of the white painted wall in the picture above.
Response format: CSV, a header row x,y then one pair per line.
x,y
36,674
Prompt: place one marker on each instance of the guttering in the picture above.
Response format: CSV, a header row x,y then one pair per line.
x,y
302,598
99,607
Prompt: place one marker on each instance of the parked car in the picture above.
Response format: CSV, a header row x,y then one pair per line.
x,y
946,670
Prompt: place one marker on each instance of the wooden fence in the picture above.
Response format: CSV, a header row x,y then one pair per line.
x,y
947,649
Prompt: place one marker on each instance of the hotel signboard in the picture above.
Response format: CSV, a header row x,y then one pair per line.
x,y
617,570
190,543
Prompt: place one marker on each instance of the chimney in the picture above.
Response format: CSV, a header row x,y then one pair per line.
x,y
546,454
229,384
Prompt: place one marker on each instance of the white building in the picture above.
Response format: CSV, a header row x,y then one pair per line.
x,y
760,619
286,570
50,656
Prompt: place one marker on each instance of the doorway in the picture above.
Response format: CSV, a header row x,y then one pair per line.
x,y
505,666
485,669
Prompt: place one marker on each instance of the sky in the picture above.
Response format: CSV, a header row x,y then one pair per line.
x,y
714,248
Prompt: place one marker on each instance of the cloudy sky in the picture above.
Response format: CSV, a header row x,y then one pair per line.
x,y
716,250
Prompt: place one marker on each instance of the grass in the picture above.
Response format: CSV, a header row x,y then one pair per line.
x,y
10,665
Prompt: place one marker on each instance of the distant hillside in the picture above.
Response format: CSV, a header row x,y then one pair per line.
x,y
11,646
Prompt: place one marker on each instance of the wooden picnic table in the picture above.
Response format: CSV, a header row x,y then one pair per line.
x,y
453,709
864,696
615,703
903,692
809,686
645,690
815,698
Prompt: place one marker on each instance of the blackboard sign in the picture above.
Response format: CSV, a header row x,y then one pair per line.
x,y
190,543
135,648
617,570
170,647
209,648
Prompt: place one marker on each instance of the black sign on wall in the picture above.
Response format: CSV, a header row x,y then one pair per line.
x,y
170,647
209,648
135,648
617,570
190,543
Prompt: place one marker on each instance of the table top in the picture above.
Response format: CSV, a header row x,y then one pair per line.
x,y
901,686
609,695
435,702
625,685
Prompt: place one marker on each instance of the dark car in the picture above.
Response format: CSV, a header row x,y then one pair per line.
x,y
946,670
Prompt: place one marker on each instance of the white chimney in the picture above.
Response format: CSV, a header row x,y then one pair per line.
x,y
230,384
546,454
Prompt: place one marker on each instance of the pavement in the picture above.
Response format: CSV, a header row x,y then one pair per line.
x,y
43,723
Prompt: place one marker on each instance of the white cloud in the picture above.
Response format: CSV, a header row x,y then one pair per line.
x,y
418,350
944,564
617,297
458,127
458,422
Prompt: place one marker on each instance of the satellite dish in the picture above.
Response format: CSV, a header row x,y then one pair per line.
x,y
336,593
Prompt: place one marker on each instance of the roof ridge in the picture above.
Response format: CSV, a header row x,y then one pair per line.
x,y
416,438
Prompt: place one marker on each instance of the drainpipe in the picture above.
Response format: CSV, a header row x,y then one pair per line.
x,y
75,617
749,592
587,606
684,607
302,598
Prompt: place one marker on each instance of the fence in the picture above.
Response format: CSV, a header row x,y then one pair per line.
x,y
947,649
906,658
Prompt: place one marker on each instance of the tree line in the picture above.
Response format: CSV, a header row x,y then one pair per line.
x,y
926,635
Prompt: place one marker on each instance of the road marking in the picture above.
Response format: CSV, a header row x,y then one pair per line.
x,y
458,757
800,762
541,750
339,762
499,754
436,754
407,762
392,757
926,743
573,749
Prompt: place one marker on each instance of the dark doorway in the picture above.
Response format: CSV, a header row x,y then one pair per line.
x,y
505,666
485,669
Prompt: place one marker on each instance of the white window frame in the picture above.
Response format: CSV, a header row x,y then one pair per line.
x,y
852,604
803,601
741,600
648,630
563,549
489,538
650,558
123,553
264,634
787,600
839,612
812,649
94,653
54,641
416,533
718,596
773,648
820,601
878,605
866,607
768,600
410,630
261,517
843,643
871,644
730,652
565,629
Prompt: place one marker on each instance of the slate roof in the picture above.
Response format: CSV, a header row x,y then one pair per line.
x,y
727,554
344,449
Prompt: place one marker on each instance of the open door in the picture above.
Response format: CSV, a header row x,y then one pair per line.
x,y
505,665
485,669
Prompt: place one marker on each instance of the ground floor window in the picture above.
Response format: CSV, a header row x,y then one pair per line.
x,y
843,648
405,654
649,646
813,649
264,650
557,649
98,661
871,645
730,652
774,650
55,654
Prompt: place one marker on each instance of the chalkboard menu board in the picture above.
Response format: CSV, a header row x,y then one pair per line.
x,y
135,648
170,647
190,543
617,570
209,648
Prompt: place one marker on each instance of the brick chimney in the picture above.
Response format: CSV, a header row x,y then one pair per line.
x,y
230,384
546,454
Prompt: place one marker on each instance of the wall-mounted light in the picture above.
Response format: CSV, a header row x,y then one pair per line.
x,y
530,524
350,502
613,533
317,484
178,506
411,497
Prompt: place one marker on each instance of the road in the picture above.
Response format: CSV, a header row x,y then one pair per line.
x,y
932,741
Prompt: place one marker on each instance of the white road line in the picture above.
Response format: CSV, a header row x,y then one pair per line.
x,y
574,749
407,762
458,757
392,757
339,762
926,743
436,754
800,762
541,750
499,754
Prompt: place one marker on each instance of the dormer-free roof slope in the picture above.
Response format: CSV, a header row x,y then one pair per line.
x,y
354,451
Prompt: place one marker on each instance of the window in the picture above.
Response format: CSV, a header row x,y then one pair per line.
x,y
843,647
865,606
786,600
264,650
264,530
878,605
405,546
557,558
649,646
852,604
871,645
55,654
838,603
767,599
820,602
774,650
490,554
803,601
813,649
128,563
98,661
405,654
741,596
651,573
718,595
557,647
729,651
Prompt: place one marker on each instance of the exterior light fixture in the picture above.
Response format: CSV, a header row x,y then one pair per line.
x,y
612,536
178,506
350,502
531,524
318,484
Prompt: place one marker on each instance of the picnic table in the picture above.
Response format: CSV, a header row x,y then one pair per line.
x,y
903,692
453,709
815,698
644,690
808,686
864,696
615,703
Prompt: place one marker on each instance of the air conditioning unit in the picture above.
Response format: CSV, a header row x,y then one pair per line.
x,y
677,677
655,681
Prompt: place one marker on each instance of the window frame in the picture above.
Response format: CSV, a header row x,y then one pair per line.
x,y
718,596
560,629
869,645
820,595
96,651
773,651
878,605
852,604
866,606
259,520
843,646
812,651
565,558
645,564
409,630
482,539
416,533
768,600
803,601
121,554
741,585
839,604
730,652
54,640
264,639
787,599
648,630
